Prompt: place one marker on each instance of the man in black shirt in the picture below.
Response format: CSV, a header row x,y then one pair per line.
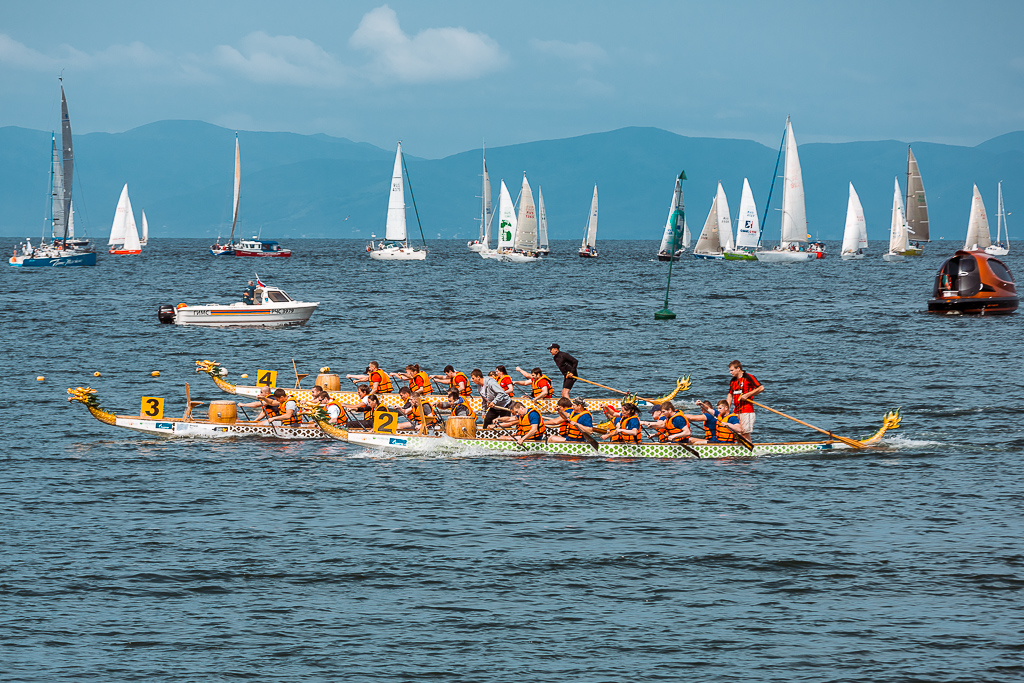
x,y
566,365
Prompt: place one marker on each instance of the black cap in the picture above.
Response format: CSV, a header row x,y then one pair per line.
x,y
554,346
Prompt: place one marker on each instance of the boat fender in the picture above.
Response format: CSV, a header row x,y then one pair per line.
x,y
182,305
165,314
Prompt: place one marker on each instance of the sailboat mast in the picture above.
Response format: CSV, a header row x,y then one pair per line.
x,y
771,188
999,215
483,194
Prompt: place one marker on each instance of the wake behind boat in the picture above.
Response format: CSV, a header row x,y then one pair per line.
x,y
271,307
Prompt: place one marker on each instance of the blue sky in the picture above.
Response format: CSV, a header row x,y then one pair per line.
x,y
443,76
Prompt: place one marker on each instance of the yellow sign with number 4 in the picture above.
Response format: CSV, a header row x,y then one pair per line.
x,y
152,408
266,378
385,422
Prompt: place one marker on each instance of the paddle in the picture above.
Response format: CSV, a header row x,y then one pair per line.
x,y
617,391
849,442
686,447
586,437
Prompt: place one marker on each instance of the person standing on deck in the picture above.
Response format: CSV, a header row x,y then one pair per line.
x,y
494,397
742,387
566,365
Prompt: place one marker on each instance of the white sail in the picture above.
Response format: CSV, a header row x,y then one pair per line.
x,y
685,244
709,241
898,226
487,210
724,220
119,227
855,234
526,222
748,226
145,229
542,221
71,221
794,215
238,188
675,214
506,219
590,237
978,235
131,232
395,229
57,194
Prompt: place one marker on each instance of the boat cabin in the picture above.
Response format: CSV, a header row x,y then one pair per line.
x,y
973,282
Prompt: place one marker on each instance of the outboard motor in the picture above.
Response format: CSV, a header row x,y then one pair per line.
x,y
166,314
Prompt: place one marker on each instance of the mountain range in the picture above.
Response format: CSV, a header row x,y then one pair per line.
x,y
295,185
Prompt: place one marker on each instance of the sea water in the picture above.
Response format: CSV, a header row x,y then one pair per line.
x,y
124,557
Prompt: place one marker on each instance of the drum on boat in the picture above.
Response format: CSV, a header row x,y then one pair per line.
x,y
223,412
329,382
460,427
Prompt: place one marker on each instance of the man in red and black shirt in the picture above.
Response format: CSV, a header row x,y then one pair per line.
x,y
743,386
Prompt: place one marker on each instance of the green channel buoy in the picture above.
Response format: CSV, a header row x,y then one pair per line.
x,y
664,314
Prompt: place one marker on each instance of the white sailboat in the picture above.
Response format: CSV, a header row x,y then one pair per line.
x,y
855,234
588,249
542,225
228,249
748,229
794,214
124,235
724,221
916,208
506,225
709,244
524,244
978,235
145,230
674,232
898,230
395,246
1000,247
486,214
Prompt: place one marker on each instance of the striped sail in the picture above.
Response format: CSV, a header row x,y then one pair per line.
x,y
978,234
794,214
724,220
748,225
917,206
590,238
855,234
506,219
526,223
542,221
709,242
395,227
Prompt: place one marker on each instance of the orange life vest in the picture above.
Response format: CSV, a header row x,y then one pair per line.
x,y
296,419
461,379
342,416
420,382
572,432
415,413
539,384
464,404
525,426
724,434
627,438
506,383
382,380
272,411
669,429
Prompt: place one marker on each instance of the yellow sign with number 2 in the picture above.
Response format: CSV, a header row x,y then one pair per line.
x,y
385,422
152,407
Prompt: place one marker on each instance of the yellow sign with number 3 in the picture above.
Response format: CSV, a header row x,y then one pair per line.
x,y
385,422
266,378
152,407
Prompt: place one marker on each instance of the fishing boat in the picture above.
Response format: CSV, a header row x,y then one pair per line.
x,y
228,249
64,250
855,233
709,244
124,235
546,405
897,230
506,225
410,443
221,422
748,228
978,234
543,248
273,308
524,246
794,214
675,238
1001,247
395,246
588,249
974,282
916,208
486,215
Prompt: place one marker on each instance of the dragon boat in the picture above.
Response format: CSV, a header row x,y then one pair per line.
x,y
545,405
189,426
408,443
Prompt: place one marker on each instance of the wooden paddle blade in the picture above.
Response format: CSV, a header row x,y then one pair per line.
x,y
693,451
745,442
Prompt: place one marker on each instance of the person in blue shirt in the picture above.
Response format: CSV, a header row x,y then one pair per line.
x,y
627,427
720,424
572,425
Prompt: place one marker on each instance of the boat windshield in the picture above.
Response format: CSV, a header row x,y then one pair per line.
x,y
278,296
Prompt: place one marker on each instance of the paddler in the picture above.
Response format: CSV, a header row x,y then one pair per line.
x,y
414,410
380,382
336,414
566,365
290,415
743,386
493,396
627,426
720,425
265,402
457,405
504,379
454,380
537,380
573,424
419,381
371,404
528,422
670,424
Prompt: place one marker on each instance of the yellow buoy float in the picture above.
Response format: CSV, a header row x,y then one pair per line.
x,y
245,376
96,374
155,373
40,378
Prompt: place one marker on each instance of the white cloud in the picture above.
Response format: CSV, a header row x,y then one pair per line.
x,y
133,55
282,60
584,54
434,54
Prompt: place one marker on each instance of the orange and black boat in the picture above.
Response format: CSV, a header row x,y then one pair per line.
x,y
974,282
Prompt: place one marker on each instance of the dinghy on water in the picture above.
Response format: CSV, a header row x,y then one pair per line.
x,y
855,234
124,235
589,247
676,236
974,282
1000,247
486,215
897,230
748,229
395,246
794,214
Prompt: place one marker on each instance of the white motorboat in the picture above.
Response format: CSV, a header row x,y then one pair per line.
x,y
794,214
395,246
275,309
